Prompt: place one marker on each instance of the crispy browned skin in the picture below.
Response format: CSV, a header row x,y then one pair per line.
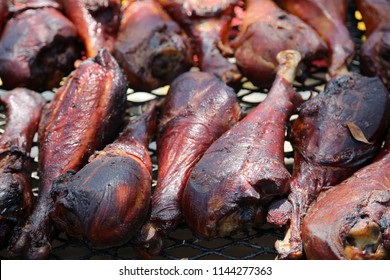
x,y
106,202
375,51
208,24
328,18
244,168
151,48
351,220
326,152
37,58
266,30
85,114
197,110
16,199
97,22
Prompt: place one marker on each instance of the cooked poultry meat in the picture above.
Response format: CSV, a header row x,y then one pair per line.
x,y
328,18
244,168
207,23
97,22
266,30
375,51
107,13
197,110
105,203
37,58
84,115
356,226
151,48
336,133
16,199
3,14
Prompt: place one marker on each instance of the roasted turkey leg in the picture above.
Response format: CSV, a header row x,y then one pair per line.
x,y
105,203
265,31
336,133
351,220
207,23
328,18
85,114
97,22
16,199
151,48
197,110
37,58
375,51
244,168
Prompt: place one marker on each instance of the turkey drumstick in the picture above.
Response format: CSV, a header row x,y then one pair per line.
x,y
266,30
106,202
97,22
37,58
351,220
207,23
244,168
327,144
328,18
197,110
151,48
16,199
84,115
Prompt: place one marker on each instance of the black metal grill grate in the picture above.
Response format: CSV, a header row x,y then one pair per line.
x,y
181,244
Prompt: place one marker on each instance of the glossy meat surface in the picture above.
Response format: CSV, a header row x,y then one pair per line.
x,y
375,51
37,58
196,111
328,18
357,224
207,23
106,202
244,168
97,22
266,30
325,148
85,114
16,199
151,48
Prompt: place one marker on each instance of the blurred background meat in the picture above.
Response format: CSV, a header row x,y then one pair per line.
x,y
328,18
151,48
207,23
97,22
375,51
37,58
265,31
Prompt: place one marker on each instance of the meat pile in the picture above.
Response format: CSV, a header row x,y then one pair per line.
x,y
221,170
